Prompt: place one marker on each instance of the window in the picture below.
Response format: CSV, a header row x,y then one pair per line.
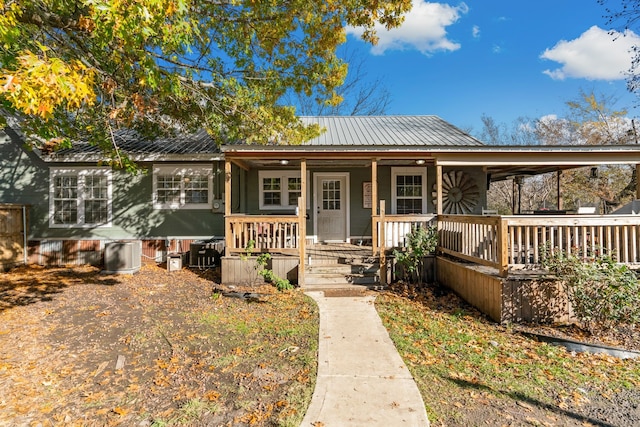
x,y
409,190
331,195
279,189
79,197
182,187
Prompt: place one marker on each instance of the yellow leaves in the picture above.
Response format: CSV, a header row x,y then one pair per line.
x,y
212,395
8,19
39,85
120,411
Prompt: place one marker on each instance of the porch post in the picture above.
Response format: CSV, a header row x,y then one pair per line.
x,y
383,237
302,221
503,247
558,196
637,181
227,205
439,189
513,196
374,204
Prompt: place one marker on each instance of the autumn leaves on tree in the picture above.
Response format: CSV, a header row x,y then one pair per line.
x,y
81,70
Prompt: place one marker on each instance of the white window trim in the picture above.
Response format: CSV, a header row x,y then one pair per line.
x,y
80,173
182,170
400,171
284,191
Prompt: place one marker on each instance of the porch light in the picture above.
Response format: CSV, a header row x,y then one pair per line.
x,y
594,173
420,162
284,162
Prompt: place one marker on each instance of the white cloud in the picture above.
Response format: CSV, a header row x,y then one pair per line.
x,y
424,29
595,55
475,31
548,118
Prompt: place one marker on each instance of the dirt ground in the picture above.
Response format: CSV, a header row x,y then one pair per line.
x,y
158,348
150,349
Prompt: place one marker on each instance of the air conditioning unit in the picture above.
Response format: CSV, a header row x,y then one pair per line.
x,y
122,257
205,253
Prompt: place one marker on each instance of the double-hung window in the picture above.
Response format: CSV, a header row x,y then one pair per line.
x,y
182,187
279,189
409,188
80,197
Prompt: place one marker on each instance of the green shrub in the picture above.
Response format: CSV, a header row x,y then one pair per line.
x,y
270,276
420,243
601,291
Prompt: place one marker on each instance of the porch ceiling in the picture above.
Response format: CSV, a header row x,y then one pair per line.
x,y
328,162
500,173
500,161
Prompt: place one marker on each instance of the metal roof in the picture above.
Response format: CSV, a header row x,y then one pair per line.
x,y
373,131
199,146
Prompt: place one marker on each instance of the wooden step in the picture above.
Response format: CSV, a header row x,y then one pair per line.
x,y
342,260
340,279
343,268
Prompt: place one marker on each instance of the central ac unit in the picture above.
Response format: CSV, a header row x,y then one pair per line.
x,y
122,257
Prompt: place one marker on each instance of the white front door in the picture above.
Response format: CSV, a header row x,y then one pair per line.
x,y
331,206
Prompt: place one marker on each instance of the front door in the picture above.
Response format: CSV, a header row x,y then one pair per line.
x,y
331,198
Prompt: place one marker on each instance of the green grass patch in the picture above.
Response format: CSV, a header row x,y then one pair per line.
x,y
454,354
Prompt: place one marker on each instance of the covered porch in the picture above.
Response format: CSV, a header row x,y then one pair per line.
x,y
357,177
339,213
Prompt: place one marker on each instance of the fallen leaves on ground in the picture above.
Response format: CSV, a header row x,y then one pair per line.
x,y
80,347
472,371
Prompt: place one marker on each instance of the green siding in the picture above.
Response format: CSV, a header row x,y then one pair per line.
x,y
360,218
24,179
134,215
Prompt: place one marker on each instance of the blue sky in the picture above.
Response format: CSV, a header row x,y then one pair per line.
x,y
502,58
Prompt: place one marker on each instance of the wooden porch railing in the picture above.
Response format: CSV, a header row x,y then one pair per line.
x,y
479,239
507,242
270,233
390,230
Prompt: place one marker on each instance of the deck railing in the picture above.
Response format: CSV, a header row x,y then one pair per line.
x,y
581,235
479,239
507,242
390,231
269,233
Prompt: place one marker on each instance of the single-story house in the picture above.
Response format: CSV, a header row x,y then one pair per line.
x,y
358,188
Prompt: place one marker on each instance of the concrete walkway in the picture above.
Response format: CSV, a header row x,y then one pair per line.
x,y
362,381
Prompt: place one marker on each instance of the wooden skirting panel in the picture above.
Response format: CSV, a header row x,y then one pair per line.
x,y
480,290
52,252
535,299
517,298
243,270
